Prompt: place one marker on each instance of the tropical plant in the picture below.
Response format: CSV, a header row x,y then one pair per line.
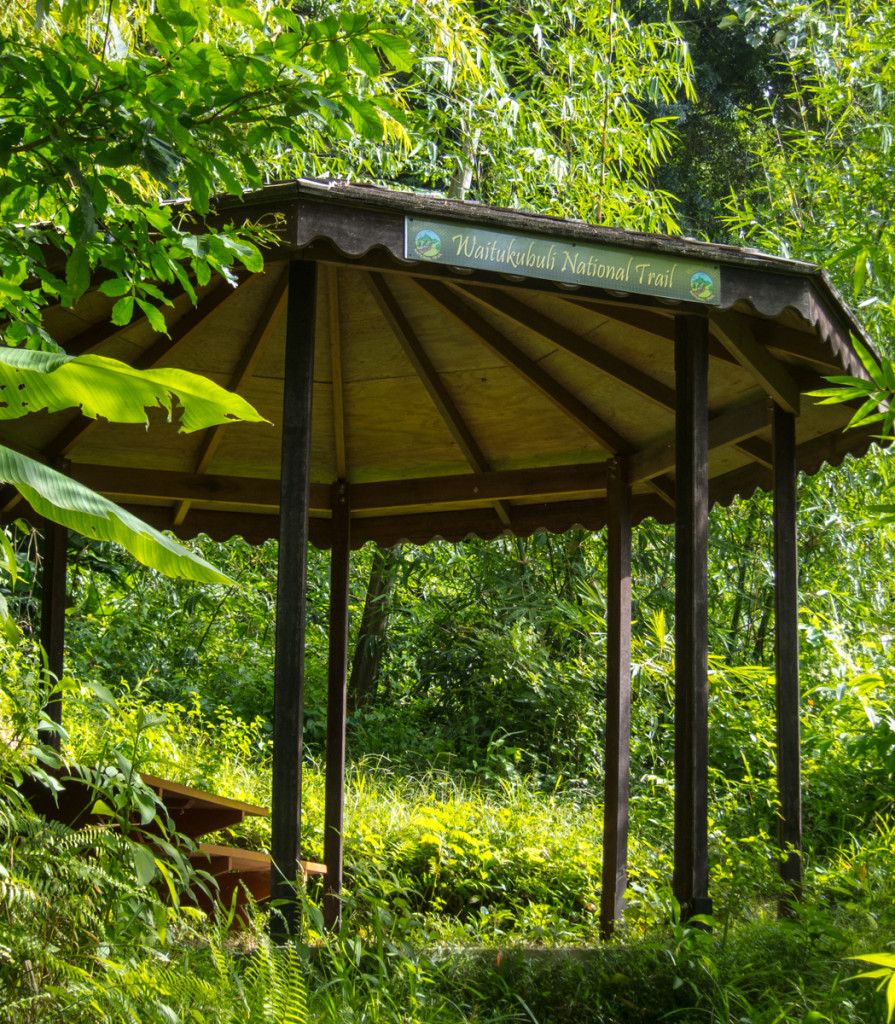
x,y
885,972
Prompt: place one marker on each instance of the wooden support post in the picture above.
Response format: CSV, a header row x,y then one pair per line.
x,y
786,596
691,875
298,388
618,699
340,565
52,622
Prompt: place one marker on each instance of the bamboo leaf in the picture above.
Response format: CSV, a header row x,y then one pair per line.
x,y
884,959
870,364
9,558
8,623
868,413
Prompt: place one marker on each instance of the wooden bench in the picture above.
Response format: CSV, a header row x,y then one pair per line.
x,y
193,813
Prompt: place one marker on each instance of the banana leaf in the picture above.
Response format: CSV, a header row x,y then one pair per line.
x,y
65,501
31,380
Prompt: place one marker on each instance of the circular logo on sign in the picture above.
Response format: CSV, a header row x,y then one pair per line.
x,y
427,244
702,287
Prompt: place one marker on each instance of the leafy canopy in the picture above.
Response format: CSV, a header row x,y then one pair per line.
x,y
108,111
109,107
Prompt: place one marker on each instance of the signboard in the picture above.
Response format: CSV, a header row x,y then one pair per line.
x,y
645,273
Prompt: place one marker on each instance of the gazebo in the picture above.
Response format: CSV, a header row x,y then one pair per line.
x,y
442,369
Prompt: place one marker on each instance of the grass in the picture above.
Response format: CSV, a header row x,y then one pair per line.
x,y
464,903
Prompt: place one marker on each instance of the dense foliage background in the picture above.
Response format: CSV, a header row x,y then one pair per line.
x,y
474,800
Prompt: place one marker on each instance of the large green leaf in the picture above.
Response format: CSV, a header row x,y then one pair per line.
x,y
32,380
65,501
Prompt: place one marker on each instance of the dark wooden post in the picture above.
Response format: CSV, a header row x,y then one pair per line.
x,y
340,565
618,699
52,622
786,597
298,388
691,873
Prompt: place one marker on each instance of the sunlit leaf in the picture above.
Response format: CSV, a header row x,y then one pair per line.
x,y
65,501
99,386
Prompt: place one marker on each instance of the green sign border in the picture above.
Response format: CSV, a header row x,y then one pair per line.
x,y
642,273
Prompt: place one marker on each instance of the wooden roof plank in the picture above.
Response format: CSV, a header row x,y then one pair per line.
x,y
338,383
425,370
268,319
428,375
215,300
533,320
564,400
657,324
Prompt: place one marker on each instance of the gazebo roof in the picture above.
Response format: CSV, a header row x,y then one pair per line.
x,y
475,371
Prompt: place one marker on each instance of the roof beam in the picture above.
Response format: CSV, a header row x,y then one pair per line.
x,y
533,320
753,356
495,485
730,428
428,375
465,489
564,400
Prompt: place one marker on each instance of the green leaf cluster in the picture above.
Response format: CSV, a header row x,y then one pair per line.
x,y
109,108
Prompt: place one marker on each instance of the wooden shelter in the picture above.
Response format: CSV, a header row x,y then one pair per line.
x,y
441,369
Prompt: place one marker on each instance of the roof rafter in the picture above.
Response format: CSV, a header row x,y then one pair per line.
x,y
267,321
773,376
564,400
653,322
809,348
425,370
533,320
728,428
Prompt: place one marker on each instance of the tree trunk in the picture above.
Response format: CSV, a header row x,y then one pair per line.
x,y
371,637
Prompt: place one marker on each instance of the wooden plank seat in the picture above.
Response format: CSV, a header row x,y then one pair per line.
x,y
195,812
238,873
